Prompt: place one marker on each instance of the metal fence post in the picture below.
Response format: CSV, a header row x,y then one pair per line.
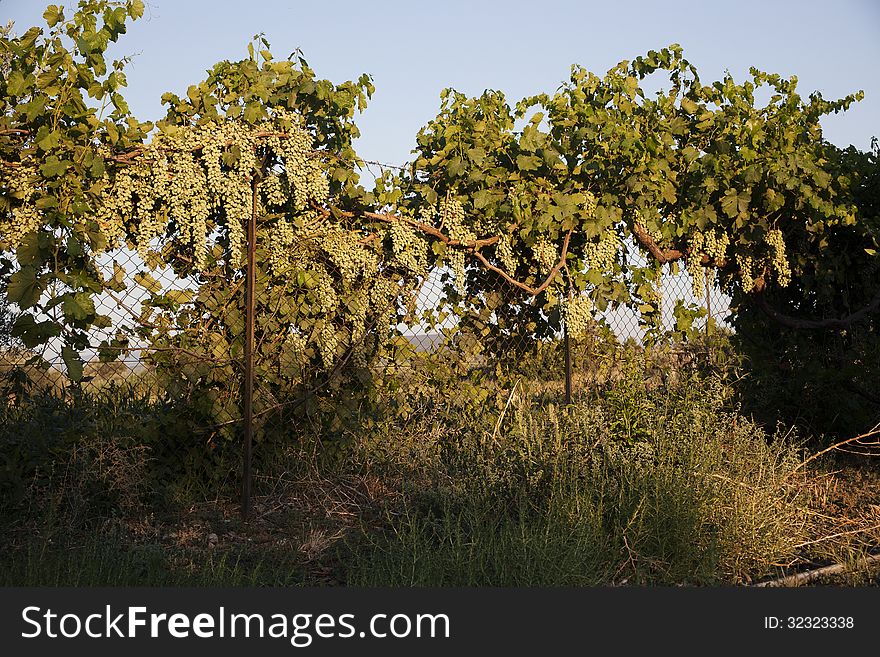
x,y
248,400
567,364
707,285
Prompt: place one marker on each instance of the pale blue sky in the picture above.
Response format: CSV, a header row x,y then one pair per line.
x,y
414,49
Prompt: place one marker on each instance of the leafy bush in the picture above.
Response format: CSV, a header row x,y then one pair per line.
x,y
102,453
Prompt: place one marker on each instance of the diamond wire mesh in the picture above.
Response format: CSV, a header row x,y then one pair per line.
x,y
182,340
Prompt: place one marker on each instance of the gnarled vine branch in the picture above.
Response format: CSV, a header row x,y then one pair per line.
x,y
832,323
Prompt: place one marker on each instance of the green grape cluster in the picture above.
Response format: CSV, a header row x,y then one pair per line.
x,y
715,244
409,249
778,260
746,272
545,254
304,175
383,295
25,219
350,258
577,313
601,254
504,252
279,245
357,314
694,264
712,243
328,300
455,258
188,205
452,219
328,344
19,183
589,205
116,206
272,192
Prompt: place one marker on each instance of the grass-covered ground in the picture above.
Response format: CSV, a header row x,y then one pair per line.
x,y
634,484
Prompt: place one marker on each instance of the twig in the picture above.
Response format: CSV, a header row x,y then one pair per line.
x,y
139,318
873,432
504,412
629,551
813,575
837,535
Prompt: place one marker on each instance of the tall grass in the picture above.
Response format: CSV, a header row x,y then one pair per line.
x,y
99,559
637,484
566,496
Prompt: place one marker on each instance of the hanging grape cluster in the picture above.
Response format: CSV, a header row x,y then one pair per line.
x,y
746,272
778,259
351,260
601,255
577,313
589,204
274,191
452,221
504,252
545,254
752,267
18,183
713,244
410,249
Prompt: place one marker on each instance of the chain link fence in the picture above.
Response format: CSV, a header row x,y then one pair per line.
x,y
217,347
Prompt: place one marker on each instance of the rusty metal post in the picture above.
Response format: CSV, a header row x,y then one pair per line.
x,y
708,301
567,364
248,400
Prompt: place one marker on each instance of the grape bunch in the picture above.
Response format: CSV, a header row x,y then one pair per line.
x,y
778,260
409,249
272,191
746,272
280,243
452,219
695,264
328,344
504,252
601,254
545,254
589,205
577,313
350,258
715,244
